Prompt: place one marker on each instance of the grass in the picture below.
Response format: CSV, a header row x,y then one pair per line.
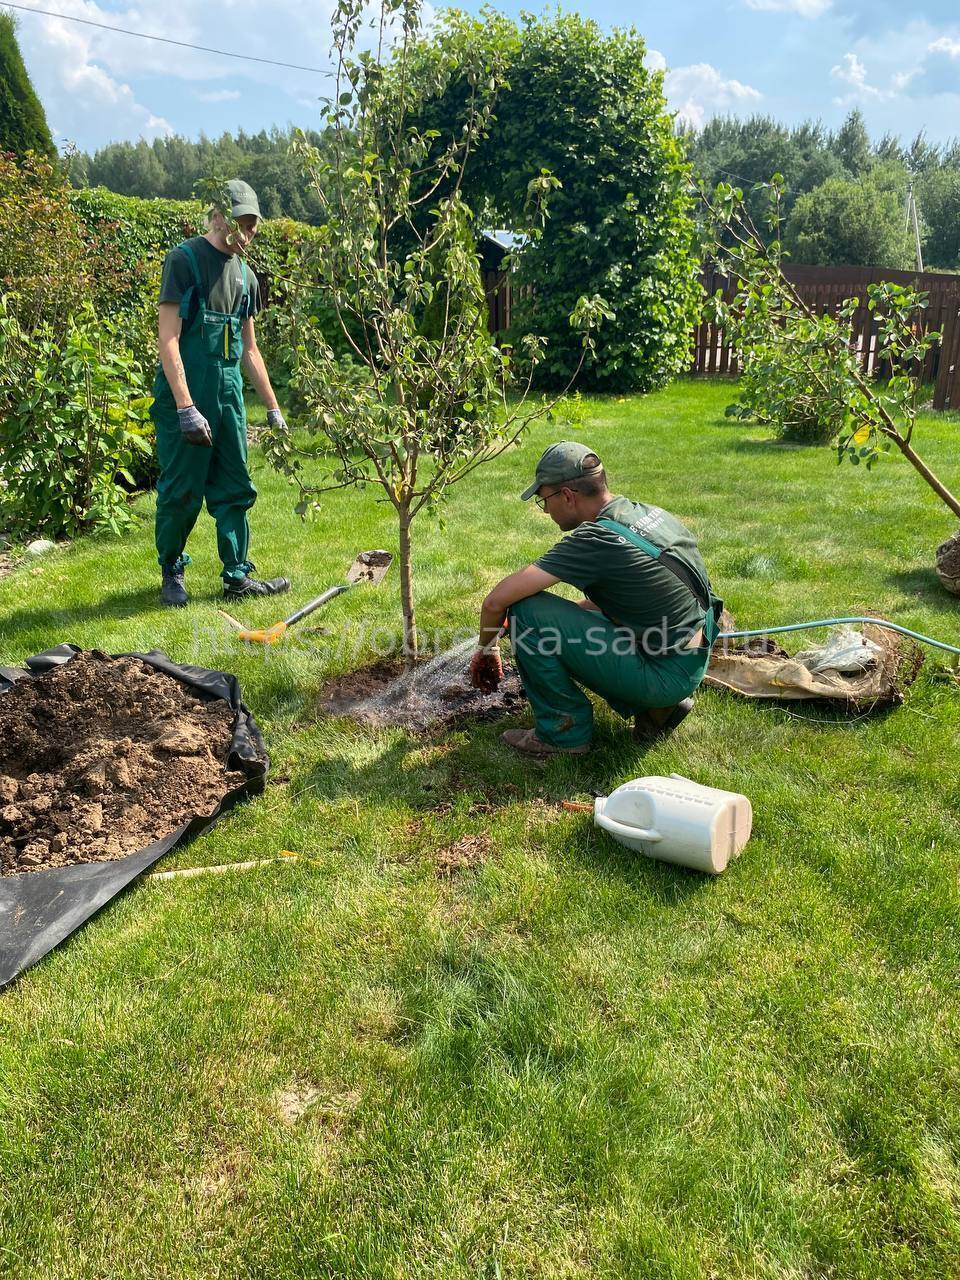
x,y
569,1061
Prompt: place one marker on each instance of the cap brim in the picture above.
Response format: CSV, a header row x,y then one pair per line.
x,y
529,492
242,210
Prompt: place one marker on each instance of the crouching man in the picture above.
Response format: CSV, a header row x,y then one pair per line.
x,y
640,638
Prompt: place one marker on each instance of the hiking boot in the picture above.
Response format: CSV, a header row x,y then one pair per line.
x,y
239,588
172,591
660,722
526,740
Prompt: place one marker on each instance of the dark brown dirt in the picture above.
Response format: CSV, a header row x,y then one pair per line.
x,y
102,756
358,695
340,694
368,563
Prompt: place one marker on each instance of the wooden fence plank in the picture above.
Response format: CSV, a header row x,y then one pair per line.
x,y
947,391
824,289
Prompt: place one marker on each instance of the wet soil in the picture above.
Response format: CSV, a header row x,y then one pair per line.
x,y
102,756
375,695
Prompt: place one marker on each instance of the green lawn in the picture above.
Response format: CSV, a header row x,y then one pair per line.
x,y
569,1061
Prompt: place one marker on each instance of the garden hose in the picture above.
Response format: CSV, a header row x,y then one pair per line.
x,y
829,622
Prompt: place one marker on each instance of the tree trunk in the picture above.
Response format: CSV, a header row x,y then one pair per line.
x,y
936,485
406,589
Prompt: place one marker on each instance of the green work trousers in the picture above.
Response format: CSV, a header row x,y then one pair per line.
x,y
191,474
558,646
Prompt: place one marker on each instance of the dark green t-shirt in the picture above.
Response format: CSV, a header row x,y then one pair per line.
x,y
629,586
220,274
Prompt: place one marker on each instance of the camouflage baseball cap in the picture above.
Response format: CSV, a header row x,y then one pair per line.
x,y
562,463
243,199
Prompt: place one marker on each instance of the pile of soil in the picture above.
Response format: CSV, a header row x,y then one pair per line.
x,y
102,756
366,695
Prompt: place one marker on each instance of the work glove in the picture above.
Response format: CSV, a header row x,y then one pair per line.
x,y
194,426
275,420
486,670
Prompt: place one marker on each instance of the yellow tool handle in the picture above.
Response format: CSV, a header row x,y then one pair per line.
x,y
265,635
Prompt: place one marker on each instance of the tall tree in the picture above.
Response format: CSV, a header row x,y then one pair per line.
x,y
580,104
851,145
938,198
853,223
23,124
398,261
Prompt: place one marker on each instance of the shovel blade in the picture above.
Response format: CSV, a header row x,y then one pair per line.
x,y
369,567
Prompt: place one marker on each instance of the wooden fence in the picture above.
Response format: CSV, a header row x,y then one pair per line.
x,y
824,289
496,285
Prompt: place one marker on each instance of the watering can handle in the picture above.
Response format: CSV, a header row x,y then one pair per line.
x,y
622,829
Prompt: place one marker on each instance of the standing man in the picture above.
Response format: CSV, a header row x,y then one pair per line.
x,y
642,635
208,299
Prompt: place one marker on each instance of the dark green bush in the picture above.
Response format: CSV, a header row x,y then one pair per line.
x,y
74,428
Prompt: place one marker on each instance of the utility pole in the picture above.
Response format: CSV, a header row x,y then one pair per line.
x,y
914,223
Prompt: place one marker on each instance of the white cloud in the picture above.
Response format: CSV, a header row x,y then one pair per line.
x,y
803,8
71,86
654,60
853,72
91,81
945,45
699,91
100,85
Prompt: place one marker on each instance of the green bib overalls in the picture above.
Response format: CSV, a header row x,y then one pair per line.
x,y
210,347
558,646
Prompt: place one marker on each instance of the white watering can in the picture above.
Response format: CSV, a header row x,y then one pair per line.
x,y
676,820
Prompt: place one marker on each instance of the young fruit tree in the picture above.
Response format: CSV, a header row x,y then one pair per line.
x,y
801,373
425,394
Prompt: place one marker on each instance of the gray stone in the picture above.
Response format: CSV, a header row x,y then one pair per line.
x,y
40,547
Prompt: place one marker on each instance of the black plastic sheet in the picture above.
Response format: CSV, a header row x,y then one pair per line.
x,y
39,909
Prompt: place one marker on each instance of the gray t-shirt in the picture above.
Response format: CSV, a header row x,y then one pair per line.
x,y
221,276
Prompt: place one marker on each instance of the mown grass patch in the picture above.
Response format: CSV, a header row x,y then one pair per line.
x,y
560,1059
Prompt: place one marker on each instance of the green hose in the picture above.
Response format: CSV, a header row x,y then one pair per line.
x,y
829,622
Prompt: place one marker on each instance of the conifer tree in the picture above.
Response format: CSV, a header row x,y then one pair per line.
x,y
23,124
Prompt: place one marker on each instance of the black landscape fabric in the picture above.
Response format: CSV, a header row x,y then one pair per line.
x,y
39,909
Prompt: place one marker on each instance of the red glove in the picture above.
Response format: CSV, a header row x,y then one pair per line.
x,y
486,670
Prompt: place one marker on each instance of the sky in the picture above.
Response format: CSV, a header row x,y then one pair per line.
x,y
791,59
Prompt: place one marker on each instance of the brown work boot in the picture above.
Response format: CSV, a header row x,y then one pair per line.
x,y
660,722
526,740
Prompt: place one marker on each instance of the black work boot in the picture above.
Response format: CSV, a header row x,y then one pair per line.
x,y
238,588
658,723
173,592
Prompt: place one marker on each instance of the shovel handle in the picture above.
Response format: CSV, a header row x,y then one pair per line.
x,y
321,599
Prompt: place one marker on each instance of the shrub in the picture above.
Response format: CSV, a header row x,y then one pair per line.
x,y
73,425
580,105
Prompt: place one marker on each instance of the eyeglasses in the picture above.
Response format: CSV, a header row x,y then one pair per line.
x,y
542,502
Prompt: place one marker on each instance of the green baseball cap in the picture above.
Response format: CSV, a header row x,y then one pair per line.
x,y
244,199
562,463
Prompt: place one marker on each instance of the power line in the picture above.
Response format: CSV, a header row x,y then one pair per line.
x,y
181,44
751,182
